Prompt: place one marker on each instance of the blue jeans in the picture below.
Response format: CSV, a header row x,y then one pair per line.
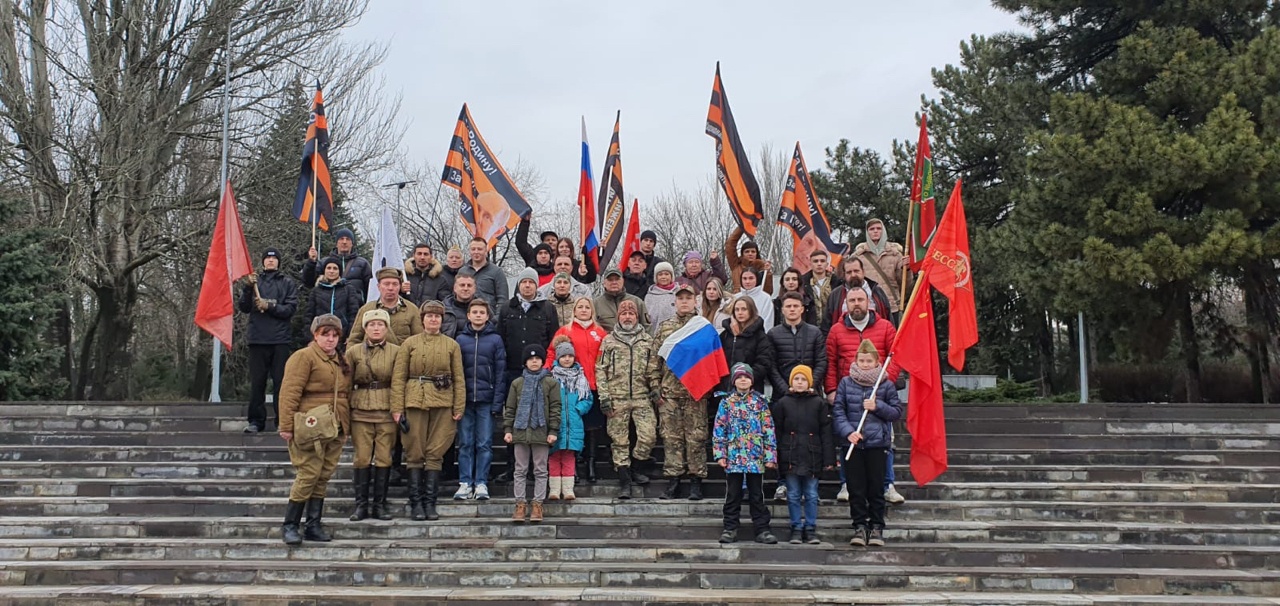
x,y
888,468
475,441
802,515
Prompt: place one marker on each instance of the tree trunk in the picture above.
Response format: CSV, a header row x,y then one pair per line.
x,y
1044,346
1190,347
111,358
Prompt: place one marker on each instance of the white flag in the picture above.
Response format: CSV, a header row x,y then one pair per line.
x,y
386,250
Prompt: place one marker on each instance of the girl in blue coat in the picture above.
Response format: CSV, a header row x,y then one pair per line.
x,y
575,399
864,470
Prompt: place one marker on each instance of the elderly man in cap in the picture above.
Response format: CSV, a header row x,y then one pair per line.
x,y
270,300
609,300
405,317
355,269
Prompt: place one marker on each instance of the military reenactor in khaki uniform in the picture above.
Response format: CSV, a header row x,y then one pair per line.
x,y
623,384
429,387
314,390
373,427
683,419
406,320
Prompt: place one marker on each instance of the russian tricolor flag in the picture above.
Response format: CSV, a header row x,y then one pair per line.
x,y
693,354
586,207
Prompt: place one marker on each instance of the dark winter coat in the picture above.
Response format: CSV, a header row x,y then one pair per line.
x,y
752,348
636,285
810,313
519,328
434,283
339,299
804,344
355,270
455,316
806,438
272,327
847,410
484,362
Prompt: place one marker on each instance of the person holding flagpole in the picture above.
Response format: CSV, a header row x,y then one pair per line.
x,y
870,439
270,300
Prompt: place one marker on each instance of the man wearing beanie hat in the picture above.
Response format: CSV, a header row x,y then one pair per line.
x,y
270,299
648,242
885,263
695,274
624,387
373,426
748,259
333,295
355,269
524,321
406,320
491,283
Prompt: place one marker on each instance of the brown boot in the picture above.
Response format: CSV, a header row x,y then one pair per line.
x,y
522,509
537,512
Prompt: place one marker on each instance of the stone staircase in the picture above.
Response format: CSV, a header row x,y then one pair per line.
x,y
145,503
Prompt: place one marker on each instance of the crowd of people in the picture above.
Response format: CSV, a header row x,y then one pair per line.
x,y
569,365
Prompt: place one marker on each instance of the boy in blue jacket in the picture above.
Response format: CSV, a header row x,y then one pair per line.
x,y
865,468
484,362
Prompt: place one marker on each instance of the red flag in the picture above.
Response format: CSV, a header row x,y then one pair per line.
x,y
228,261
948,269
631,242
923,217
915,349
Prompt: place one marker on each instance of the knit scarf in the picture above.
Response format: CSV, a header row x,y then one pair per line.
x,y
865,378
530,410
628,335
572,379
877,249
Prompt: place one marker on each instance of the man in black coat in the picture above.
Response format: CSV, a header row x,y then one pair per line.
x,y
270,300
355,269
796,342
426,279
524,320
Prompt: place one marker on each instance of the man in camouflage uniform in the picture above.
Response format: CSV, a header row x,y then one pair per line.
x,y
683,419
621,373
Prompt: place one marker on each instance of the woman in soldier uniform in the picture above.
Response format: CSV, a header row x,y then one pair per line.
x,y
314,389
373,427
428,387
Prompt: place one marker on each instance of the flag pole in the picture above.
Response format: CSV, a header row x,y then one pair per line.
x,y
215,387
911,248
315,197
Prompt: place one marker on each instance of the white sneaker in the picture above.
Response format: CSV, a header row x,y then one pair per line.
x,y
843,496
482,492
780,494
464,492
893,497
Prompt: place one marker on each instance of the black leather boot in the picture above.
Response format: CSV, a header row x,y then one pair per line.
x,y
695,489
361,482
415,495
673,487
429,495
638,468
292,517
591,456
314,530
381,478
624,482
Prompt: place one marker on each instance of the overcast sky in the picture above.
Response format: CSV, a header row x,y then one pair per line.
x,y
809,71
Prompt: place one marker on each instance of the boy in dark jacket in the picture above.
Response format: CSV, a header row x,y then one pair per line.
x,y
530,421
864,468
805,448
484,362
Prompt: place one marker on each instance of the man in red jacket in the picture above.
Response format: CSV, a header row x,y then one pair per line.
x,y
842,343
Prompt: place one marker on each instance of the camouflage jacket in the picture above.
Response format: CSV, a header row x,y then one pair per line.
x,y
622,368
660,376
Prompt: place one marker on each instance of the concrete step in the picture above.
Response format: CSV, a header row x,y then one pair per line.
x,y
984,510
701,575
1194,474
646,551
835,529
294,595
712,487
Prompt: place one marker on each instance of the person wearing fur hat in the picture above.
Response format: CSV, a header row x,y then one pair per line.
x,y
885,263
355,269
426,278
530,420
429,388
406,320
373,426
661,300
696,275
270,299
864,469
806,448
524,320
333,295
624,389
743,445
314,423
748,258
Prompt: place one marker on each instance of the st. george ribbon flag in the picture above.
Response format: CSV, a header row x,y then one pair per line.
x,y
314,200
609,205
587,233
489,202
801,212
732,167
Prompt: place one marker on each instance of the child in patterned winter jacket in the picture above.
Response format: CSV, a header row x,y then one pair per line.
x,y
743,444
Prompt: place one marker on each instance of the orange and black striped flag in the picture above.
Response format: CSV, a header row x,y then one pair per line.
x,y
314,201
609,204
732,167
801,212
489,202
